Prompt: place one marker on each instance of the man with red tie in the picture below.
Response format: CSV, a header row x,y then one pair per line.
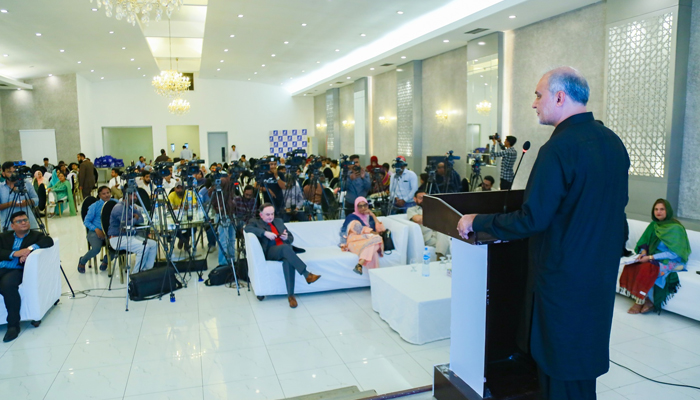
x,y
276,243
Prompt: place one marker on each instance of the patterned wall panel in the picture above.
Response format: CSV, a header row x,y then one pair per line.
x,y
330,121
639,62
404,89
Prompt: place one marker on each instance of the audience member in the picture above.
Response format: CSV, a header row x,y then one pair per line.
x,y
359,235
509,155
276,243
185,153
335,168
141,163
487,184
86,176
178,202
313,195
15,247
9,202
144,182
49,167
243,162
162,157
663,251
233,154
115,183
440,241
95,234
274,185
245,206
403,187
454,184
357,184
120,239
61,191
373,163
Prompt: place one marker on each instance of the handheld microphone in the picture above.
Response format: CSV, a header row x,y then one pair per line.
x,y
526,147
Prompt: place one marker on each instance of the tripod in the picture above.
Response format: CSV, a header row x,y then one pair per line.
x,y
19,190
314,183
475,180
379,192
432,187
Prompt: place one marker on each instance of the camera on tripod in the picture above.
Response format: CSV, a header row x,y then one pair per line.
x,y
160,170
399,165
345,163
296,158
130,173
476,161
22,172
191,167
450,157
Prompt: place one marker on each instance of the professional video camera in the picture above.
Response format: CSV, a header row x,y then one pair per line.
x,y
450,157
296,158
398,165
263,165
191,167
476,160
130,173
345,163
160,170
494,136
22,172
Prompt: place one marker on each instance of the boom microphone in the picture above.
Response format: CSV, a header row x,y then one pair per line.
x,y
526,147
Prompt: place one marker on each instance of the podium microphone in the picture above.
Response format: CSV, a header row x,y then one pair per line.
x,y
526,147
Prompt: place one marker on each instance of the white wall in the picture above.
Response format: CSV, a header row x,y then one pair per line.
x,y
88,133
247,111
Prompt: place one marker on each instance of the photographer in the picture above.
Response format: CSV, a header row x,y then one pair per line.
x,y
245,206
404,184
454,183
357,184
509,155
7,191
275,184
225,207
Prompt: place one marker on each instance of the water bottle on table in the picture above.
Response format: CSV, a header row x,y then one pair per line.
x,y
426,261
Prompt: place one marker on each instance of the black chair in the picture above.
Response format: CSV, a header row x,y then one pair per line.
x,y
334,183
83,213
121,254
146,199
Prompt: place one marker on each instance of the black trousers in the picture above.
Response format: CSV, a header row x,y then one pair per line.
x,y
290,263
10,279
555,389
505,185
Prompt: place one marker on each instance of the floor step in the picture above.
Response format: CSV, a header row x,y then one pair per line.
x,y
329,394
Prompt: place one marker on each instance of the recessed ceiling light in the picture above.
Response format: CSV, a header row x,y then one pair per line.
x,y
481,43
232,36
286,42
362,34
38,34
132,59
221,61
94,9
403,57
446,41
123,48
144,75
512,17
111,32
476,60
50,74
80,62
330,84
240,15
399,70
225,50
62,51
102,77
318,62
486,84
371,69
255,73
337,49
263,65
303,70
291,78
248,78
5,55
273,55
3,11
19,88
92,70
303,24
138,68
481,76
349,77
399,12
218,69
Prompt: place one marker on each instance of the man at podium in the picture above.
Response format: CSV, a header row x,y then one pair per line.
x,y
568,215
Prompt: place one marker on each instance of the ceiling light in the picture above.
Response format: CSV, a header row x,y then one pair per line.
x,y
303,24
135,10
481,43
132,59
263,65
512,17
337,49
403,57
225,50
218,69
144,74
179,106
38,34
102,77
221,61
111,32
92,70
303,70
62,51
123,48
21,89
255,73
399,70
362,34
349,77
3,11
486,84
476,60
94,9
330,84
5,55
240,15
399,12
50,74
286,42
273,55
291,78
248,78
80,62
371,69
318,62
138,68
232,36
446,41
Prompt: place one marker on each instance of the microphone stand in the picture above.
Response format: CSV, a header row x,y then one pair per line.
x,y
526,147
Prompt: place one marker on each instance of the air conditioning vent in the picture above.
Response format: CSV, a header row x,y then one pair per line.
x,y
386,65
475,31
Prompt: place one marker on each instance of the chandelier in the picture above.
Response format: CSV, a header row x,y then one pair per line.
x,y
179,106
483,108
170,83
130,9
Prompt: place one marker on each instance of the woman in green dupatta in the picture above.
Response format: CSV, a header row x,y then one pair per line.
x,y
663,251
62,189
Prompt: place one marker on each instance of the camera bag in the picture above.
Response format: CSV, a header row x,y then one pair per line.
x,y
148,284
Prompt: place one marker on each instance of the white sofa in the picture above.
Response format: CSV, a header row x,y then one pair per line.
x,y
41,284
416,244
685,302
322,257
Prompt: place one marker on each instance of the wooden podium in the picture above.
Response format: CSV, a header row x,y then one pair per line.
x,y
490,321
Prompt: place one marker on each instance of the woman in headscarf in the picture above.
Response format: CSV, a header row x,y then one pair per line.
x,y
663,251
360,235
62,191
373,163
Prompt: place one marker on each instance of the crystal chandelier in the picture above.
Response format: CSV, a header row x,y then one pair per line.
x,y
130,9
483,108
179,106
170,83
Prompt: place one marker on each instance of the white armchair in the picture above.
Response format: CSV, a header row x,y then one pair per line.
x,y
41,285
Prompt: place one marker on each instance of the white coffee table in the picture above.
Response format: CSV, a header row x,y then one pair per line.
x,y
416,307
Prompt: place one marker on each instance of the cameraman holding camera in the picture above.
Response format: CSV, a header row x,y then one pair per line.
x,y
357,184
275,184
8,190
509,155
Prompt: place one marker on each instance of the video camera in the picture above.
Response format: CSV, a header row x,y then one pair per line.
x,y
191,167
450,157
399,165
263,164
130,173
345,163
160,170
476,161
296,158
22,172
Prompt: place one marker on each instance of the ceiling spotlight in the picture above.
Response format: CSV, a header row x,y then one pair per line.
x,y
94,9
286,42
486,84
111,32
5,55
337,49
446,41
481,43
403,57
349,77
218,69
21,89
144,75
362,34
248,78
225,50
371,69
80,62
123,48
38,34
303,70
232,36
318,62
255,73
92,70
303,24
476,60
50,74
399,12
512,17
263,65
273,55
330,84
102,77
132,59
240,15
138,68
62,50
3,11
291,78
221,61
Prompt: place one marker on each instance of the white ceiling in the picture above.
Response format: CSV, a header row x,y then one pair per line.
x,y
202,33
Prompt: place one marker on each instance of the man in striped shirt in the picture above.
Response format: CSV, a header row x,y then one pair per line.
x,y
509,155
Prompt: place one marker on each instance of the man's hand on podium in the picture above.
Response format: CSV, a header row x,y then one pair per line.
x,y
465,225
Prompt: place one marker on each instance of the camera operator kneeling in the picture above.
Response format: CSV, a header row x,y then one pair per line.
x,y
120,240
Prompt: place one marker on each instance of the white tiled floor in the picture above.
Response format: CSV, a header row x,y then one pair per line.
x,y
213,344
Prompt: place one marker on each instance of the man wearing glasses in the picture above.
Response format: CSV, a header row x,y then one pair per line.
x,y
15,247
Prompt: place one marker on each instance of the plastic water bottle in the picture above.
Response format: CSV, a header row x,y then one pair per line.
x,y
189,198
426,261
156,217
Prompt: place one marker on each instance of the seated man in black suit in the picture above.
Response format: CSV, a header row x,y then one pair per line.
x,y
276,243
15,247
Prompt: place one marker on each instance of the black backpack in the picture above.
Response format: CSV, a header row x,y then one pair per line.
x,y
223,274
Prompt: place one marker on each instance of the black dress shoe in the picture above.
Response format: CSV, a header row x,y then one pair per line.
x,y
11,334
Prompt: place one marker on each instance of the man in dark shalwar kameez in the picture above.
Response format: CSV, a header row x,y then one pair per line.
x,y
576,229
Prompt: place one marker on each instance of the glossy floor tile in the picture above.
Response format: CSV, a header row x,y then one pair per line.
x,y
212,344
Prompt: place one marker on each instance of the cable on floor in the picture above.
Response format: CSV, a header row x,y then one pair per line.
x,y
654,380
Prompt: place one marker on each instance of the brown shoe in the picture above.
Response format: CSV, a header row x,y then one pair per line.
x,y
292,302
312,278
